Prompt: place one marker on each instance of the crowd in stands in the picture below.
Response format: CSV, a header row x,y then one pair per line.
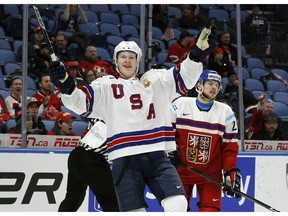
x,y
77,44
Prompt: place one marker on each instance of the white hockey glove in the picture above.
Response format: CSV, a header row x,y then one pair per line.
x,y
204,45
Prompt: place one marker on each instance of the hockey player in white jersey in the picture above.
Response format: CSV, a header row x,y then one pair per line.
x,y
136,111
207,139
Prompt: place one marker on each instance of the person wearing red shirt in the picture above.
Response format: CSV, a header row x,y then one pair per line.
x,y
178,51
92,61
50,103
4,115
63,125
257,119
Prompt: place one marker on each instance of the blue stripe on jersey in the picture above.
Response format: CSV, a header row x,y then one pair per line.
x,y
141,133
179,82
88,90
152,136
140,143
198,124
230,136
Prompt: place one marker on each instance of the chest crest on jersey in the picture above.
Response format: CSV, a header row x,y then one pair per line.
x,y
198,148
146,83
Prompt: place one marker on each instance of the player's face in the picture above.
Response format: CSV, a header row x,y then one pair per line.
x,y
210,89
127,64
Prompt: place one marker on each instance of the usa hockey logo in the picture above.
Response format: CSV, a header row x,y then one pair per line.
x,y
198,148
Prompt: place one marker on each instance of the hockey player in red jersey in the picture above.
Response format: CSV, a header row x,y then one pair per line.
x,y
207,139
136,112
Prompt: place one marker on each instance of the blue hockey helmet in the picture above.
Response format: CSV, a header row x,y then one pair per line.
x,y
209,75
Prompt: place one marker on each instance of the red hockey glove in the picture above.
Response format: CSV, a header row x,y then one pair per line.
x,y
205,44
232,178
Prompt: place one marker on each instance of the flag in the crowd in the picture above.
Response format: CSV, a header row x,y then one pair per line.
x,y
168,34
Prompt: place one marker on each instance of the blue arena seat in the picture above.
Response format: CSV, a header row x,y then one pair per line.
x,y
90,27
10,67
254,84
103,54
276,86
257,73
281,109
130,19
219,15
49,124
4,93
79,127
128,29
4,44
255,62
91,16
161,57
120,8
258,93
281,97
281,72
109,29
7,56
245,73
109,17
174,12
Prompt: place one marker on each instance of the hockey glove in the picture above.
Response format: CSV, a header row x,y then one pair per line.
x,y
174,158
61,77
232,178
204,45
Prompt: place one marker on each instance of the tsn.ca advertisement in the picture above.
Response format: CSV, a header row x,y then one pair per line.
x,y
34,180
39,141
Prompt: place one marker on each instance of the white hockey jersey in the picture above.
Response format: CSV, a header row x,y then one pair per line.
x,y
136,111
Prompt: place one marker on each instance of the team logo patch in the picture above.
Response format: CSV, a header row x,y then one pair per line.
x,y
198,148
146,83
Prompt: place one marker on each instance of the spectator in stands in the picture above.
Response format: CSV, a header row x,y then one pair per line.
x,y
192,17
92,61
15,96
230,52
40,62
4,115
257,26
160,16
256,121
34,45
217,63
89,76
178,51
69,20
73,67
61,50
231,91
50,101
270,130
17,129
32,108
63,125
